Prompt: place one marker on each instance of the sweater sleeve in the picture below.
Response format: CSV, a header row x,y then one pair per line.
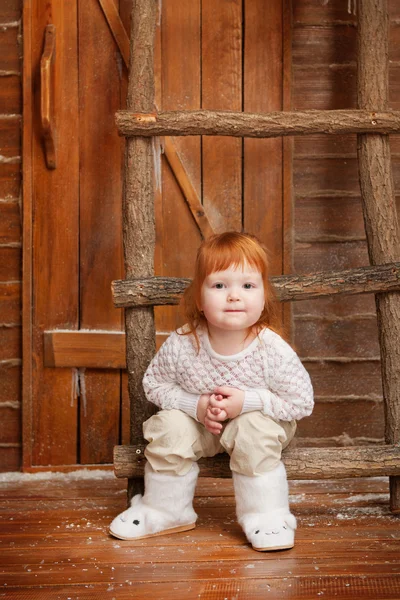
x,y
160,381
290,393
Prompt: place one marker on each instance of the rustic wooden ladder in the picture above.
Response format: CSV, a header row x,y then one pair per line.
x,y
141,291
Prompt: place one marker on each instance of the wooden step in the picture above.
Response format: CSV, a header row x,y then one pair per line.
x,y
242,124
303,463
156,291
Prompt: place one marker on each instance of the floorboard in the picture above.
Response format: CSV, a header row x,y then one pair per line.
x,y
54,544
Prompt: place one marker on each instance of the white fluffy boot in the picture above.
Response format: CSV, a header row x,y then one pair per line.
x,y
166,506
262,508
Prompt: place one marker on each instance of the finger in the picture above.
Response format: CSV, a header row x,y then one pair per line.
x,y
210,415
222,390
212,427
214,403
217,417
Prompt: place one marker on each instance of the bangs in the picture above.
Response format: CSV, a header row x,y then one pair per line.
x,y
231,250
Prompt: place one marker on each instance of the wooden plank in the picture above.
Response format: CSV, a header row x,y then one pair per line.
x,y
10,50
190,195
99,415
316,218
117,28
10,381
170,152
350,378
316,13
10,135
84,349
10,298
333,44
339,419
10,458
55,294
336,306
10,342
10,430
288,153
207,573
326,45
10,263
10,223
10,180
255,125
325,88
10,94
99,72
306,463
263,173
27,225
10,10
222,89
355,337
328,256
385,585
179,84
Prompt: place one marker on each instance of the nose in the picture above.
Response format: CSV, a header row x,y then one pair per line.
x,y
233,296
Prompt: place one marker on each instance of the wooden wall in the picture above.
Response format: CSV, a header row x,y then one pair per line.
x,y
10,234
336,337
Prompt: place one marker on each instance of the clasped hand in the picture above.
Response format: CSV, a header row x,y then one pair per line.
x,y
213,409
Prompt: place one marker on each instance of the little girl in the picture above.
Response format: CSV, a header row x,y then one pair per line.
x,y
226,382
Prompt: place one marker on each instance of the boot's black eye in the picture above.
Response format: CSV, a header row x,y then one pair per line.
x,y
136,522
258,531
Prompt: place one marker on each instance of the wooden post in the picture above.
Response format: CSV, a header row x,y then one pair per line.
x,y
380,216
138,216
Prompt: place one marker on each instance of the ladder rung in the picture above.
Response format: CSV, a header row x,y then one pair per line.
x,y
302,463
241,124
157,291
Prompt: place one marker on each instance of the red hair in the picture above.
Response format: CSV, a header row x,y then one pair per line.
x,y
217,253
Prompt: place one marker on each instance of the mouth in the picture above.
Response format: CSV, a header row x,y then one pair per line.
x,y
234,311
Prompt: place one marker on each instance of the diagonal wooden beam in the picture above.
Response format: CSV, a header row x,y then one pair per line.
x,y
189,193
170,152
117,28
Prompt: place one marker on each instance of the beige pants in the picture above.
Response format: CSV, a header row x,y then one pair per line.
x,y
253,441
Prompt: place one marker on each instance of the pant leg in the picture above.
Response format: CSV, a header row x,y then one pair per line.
x,y
176,440
255,442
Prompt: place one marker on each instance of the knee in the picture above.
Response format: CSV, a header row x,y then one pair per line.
x,y
256,429
169,424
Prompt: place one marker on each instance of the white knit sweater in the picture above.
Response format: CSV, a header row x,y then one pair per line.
x,y
268,371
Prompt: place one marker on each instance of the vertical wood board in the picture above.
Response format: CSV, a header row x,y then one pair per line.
x,y
263,74
222,72
179,84
100,223
55,240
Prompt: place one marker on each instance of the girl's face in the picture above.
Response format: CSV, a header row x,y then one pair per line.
x,y
233,299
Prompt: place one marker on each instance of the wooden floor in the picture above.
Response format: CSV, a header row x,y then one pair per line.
x,y
54,544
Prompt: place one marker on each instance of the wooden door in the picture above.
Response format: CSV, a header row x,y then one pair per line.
x,y
208,54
